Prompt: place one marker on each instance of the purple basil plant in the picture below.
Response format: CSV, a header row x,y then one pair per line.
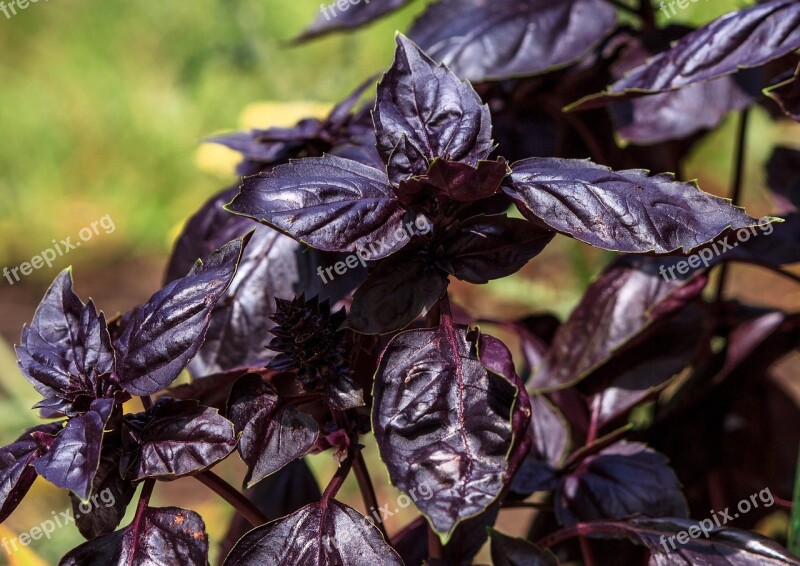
x,y
310,306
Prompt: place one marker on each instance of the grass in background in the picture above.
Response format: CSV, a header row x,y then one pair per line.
x,y
103,105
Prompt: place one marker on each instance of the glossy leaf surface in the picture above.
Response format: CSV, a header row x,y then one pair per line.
x,y
627,211
424,111
480,40
166,535
443,420
318,534
166,333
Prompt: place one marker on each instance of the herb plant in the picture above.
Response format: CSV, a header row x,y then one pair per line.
x,y
447,179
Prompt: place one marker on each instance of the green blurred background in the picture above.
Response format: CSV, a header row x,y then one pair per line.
x,y
103,106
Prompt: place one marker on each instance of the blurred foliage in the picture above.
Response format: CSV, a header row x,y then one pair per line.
x,y
103,104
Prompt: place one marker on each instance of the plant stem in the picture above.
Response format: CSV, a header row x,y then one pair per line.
x,y
591,436
435,547
794,526
337,481
736,191
580,529
586,551
233,496
647,14
432,318
144,497
367,489
144,501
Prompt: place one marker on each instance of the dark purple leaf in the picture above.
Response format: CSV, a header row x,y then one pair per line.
x,y
360,148
16,471
455,181
535,334
264,148
343,393
66,351
626,211
174,438
329,203
738,40
112,494
787,95
272,435
166,333
550,432
550,443
770,245
749,336
510,551
622,303
707,543
74,457
491,247
620,481
642,369
284,435
319,534
500,39
238,333
442,419
424,112
160,536
340,16
399,290
677,114
496,357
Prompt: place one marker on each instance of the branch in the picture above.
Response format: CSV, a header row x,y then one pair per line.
x,y
338,480
236,498
367,489
586,552
736,191
435,547
647,14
